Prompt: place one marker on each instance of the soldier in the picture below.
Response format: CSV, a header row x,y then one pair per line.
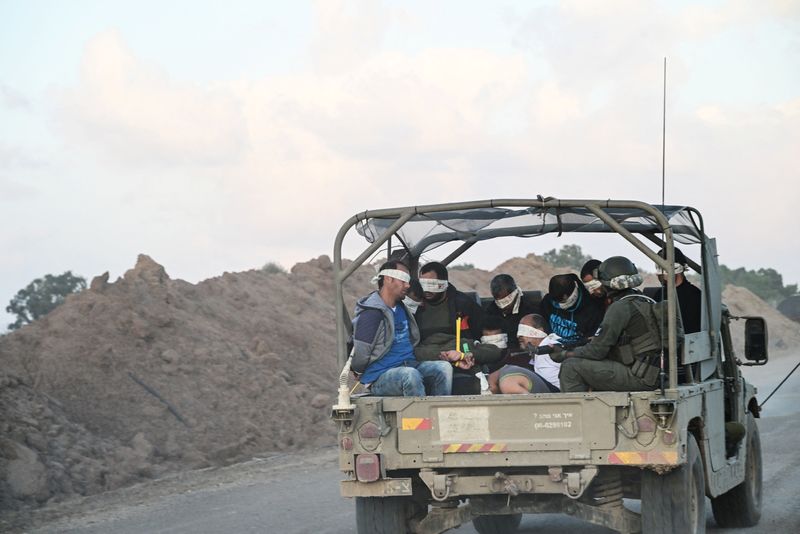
x,y
624,353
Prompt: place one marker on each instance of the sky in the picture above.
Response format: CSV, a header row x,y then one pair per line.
x,y
221,136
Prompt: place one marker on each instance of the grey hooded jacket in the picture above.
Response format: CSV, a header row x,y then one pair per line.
x,y
373,331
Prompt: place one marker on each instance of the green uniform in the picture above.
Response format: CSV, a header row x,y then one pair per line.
x,y
623,355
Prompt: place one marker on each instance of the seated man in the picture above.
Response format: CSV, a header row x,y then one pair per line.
x,y
540,374
590,281
509,305
472,358
384,336
445,308
414,297
689,295
493,347
571,313
488,352
444,303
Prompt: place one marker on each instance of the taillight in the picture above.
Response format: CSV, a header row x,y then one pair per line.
x,y
369,430
368,467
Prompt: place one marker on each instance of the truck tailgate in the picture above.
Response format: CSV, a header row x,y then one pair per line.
x,y
509,423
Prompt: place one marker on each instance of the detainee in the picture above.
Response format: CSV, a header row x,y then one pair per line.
x,y
540,374
384,336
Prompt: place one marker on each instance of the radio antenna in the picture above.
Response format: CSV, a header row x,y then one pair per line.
x,y
664,134
663,375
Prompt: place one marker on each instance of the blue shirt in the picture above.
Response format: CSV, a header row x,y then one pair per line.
x,y
401,349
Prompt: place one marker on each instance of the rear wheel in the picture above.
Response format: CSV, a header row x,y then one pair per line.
x,y
497,524
383,515
741,506
675,501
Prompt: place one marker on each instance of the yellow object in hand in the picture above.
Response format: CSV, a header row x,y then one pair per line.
x,y
458,334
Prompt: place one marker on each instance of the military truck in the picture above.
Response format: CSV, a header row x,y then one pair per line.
x,y
429,464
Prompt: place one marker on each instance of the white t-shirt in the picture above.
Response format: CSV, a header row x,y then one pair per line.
x,y
544,365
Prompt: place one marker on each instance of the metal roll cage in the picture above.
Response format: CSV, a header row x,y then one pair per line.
x,y
599,208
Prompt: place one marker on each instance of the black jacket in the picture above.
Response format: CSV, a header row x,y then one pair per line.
x,y
578,322
690,299
461,305
690,303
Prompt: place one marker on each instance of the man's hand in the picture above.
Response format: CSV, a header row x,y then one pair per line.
x,y
458,358
557,353
451,355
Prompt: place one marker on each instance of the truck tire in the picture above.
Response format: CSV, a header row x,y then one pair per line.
x,y
497,524
741,506
382,515
676,501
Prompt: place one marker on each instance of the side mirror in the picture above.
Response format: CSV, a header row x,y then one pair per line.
x,y
755,340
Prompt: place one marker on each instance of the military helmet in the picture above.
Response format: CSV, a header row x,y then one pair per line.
x,y
618,272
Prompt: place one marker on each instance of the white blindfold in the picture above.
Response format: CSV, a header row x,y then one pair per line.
x,y
524,330
506,301
394,273
679,268
432,285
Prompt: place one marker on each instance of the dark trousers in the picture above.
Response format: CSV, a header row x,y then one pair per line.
x,y
465,383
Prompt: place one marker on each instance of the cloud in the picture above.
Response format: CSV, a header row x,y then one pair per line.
x,y
13,157
702,21
347,33
13,191
13,99
589,45
135,115
270,167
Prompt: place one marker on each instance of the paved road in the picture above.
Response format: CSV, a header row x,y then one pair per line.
x,y
298,494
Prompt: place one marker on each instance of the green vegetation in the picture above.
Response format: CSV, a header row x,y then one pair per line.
x,y
568,256
42,296
462,267
272,267
766,283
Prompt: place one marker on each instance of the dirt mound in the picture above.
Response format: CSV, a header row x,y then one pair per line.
x,y
531,273
783,332
149,374
44,455
205,374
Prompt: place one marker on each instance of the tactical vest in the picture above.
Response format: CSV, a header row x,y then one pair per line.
x,y
642,351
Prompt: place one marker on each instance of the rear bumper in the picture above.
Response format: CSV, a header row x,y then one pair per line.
x,y
385,487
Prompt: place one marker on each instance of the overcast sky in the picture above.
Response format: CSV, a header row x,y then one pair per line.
x,y
218,136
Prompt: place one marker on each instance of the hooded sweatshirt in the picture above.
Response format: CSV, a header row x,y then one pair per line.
x,y
374,334
577,322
